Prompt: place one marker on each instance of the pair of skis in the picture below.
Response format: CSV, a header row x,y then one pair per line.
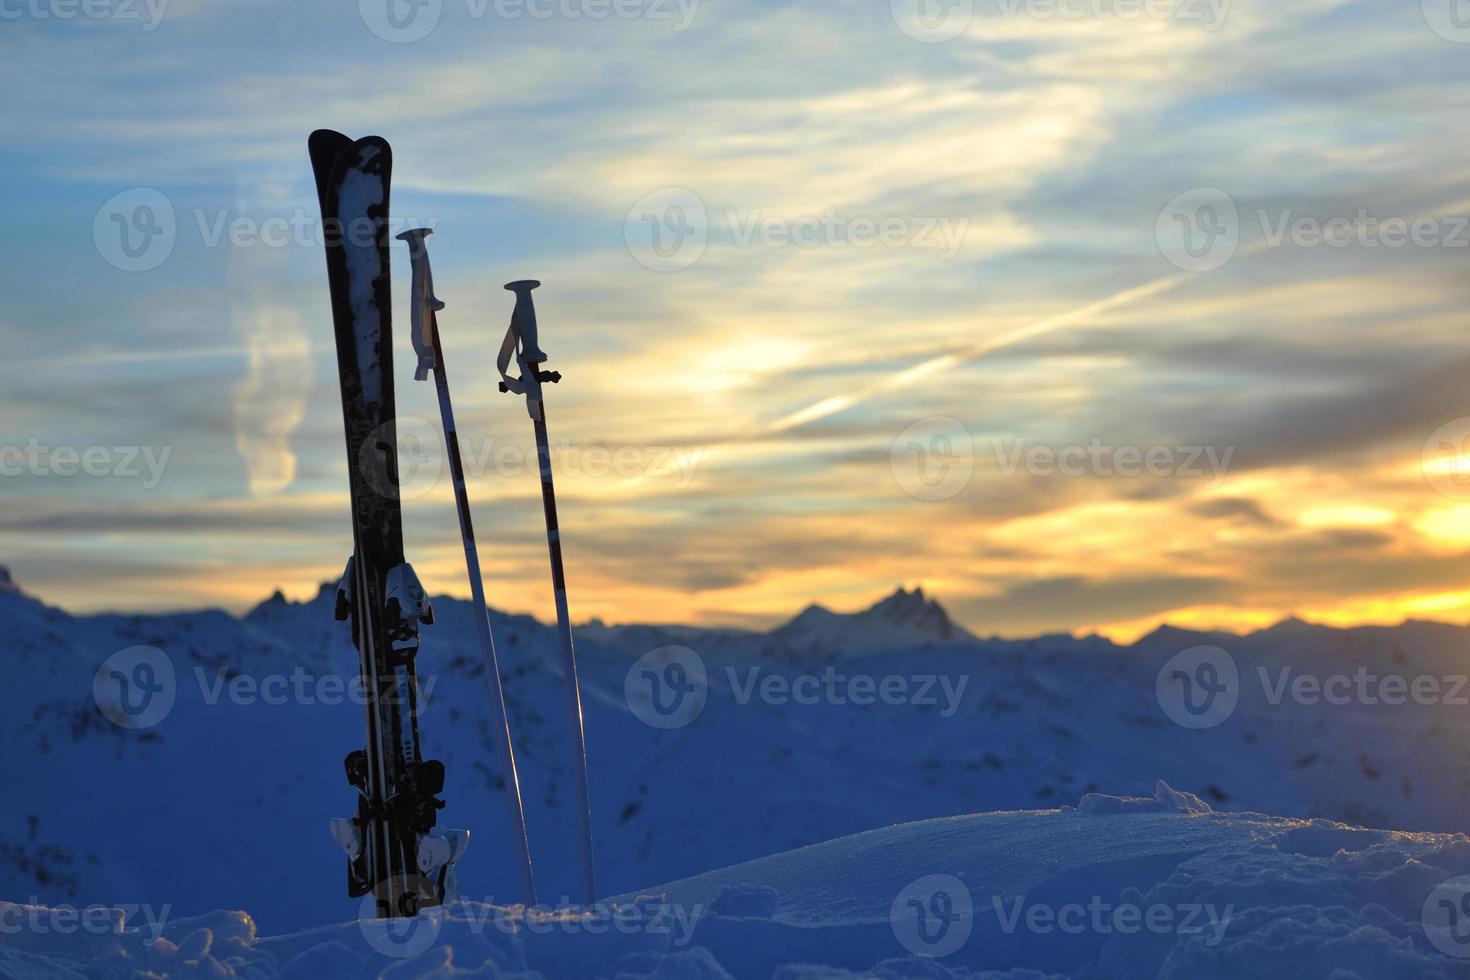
x,y
394,851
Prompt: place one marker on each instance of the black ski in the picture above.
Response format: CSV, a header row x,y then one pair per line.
x,y
393,850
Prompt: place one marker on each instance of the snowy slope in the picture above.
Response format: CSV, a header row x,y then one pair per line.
x,y
1116,889
985,725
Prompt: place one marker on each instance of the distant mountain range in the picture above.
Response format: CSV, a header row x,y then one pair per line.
x,y
826,725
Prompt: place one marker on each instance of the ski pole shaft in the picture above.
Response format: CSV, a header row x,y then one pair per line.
x,y
523,327
514,803
575,724
426,305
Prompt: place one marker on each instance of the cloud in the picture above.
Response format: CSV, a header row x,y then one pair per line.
x,y
1234,508
270,401
792,370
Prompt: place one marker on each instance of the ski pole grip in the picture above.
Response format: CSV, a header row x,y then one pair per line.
x,y
425,303
415,238
523,320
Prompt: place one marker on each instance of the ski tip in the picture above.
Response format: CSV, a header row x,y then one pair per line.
x,y
371,154
325,146
327,135
374,148
521,285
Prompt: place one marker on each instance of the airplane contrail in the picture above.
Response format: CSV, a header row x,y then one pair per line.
x,y
932,366
953,359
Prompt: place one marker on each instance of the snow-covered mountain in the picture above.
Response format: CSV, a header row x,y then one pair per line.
x,y
829,725
904,619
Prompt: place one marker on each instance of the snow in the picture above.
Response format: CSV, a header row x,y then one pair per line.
x,y
820,811
1174,893
1165,798
361,194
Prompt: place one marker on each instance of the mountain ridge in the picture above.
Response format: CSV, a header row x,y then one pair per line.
x,y
924,613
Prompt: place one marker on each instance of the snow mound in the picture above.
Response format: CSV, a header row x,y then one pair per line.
x,y
746,901
1126,890
1166,799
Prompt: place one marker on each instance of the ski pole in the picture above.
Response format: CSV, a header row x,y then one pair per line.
x,y
431,358
521,342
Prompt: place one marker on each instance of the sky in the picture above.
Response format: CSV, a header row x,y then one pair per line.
x,y
1085,315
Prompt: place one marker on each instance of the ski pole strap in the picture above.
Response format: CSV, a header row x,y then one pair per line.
x,y
507,351
425,303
